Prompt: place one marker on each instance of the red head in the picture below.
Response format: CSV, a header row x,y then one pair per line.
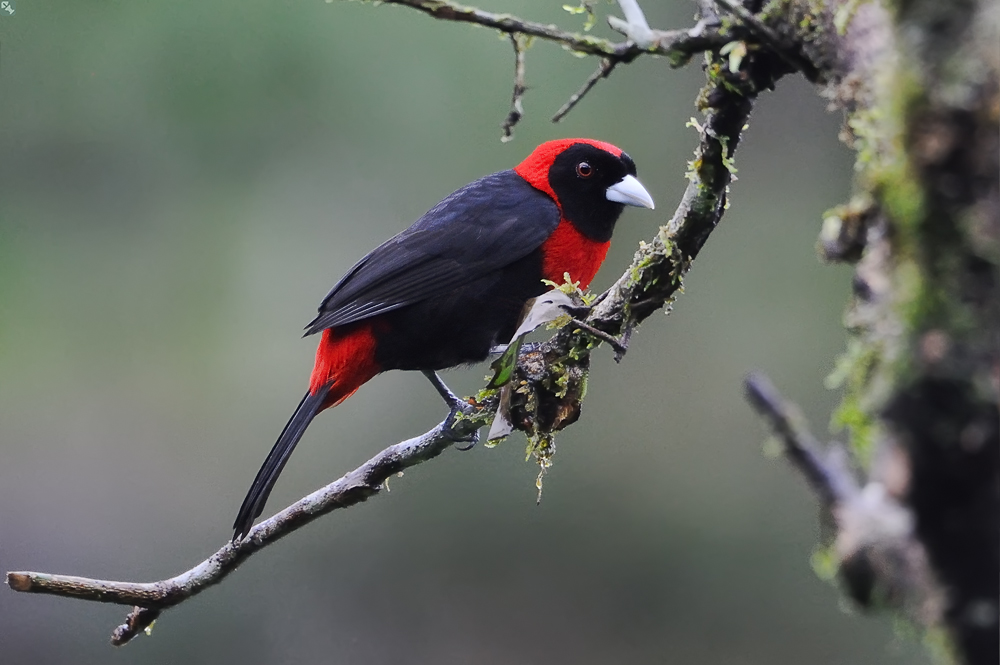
x,y
591,182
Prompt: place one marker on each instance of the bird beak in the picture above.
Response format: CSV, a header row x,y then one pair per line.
x,y
630,191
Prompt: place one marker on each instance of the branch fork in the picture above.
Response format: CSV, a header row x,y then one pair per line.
x,y
875,548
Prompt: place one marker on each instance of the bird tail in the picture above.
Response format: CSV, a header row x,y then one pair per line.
x,y
253,504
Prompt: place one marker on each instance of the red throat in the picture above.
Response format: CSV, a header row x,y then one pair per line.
x,y
569,251
566,250
345,358
535,168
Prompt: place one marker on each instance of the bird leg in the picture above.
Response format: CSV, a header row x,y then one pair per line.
x,y
456,406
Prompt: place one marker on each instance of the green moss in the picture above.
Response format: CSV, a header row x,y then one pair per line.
x,y
583,8
727,160
845,14
902,196
486,394
876,360
542,447
825,563
859,423
854,372
883,160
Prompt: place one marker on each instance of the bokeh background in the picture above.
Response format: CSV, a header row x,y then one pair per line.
x,y
180,184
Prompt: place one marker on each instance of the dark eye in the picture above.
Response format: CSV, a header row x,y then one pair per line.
x,y
584,170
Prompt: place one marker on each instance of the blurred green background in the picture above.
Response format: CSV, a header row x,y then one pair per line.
x,y
181,183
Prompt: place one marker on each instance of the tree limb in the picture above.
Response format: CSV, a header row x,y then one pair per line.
x,y
675,44
830,478
151,598
875,549
603,71
516,106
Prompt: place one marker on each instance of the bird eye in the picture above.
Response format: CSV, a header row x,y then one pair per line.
x,y
584,170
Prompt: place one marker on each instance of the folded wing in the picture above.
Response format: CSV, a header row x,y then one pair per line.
x,y
481,228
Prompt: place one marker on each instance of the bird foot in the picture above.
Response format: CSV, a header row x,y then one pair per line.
x,y
462,442
456,408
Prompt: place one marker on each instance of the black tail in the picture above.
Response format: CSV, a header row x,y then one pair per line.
x,y
254,502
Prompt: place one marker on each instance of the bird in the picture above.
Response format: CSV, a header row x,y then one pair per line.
x,y
452,286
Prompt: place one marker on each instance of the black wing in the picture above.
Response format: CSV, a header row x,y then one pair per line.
x,y
482,227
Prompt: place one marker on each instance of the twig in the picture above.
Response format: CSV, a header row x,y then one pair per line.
x,y
620,349
677,45
520,44
877,553
674,44
603,70
634,26
151,598
830,477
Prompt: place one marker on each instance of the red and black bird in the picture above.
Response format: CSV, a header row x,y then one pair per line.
x,y
450,288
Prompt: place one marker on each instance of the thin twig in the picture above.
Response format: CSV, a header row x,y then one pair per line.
x,y
828,476
520,43
452,11
674,44
603,70
601,335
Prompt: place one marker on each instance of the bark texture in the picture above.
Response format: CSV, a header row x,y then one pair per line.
x,y
918,81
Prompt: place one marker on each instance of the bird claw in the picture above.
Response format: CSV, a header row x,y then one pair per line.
x,y
456,406
467,442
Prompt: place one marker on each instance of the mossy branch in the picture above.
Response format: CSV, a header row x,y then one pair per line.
x,y
151,598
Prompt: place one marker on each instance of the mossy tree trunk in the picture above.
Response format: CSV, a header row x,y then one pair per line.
x,y
918,81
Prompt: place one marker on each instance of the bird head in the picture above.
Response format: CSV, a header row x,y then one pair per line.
x,y
591,182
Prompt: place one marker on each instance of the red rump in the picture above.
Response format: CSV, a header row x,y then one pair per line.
x,y
535,168
345,357
568,250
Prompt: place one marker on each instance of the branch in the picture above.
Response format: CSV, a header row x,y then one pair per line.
x,y
151,598
656,275
829,477
678,45
516,108
603,71
636,29
875,550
